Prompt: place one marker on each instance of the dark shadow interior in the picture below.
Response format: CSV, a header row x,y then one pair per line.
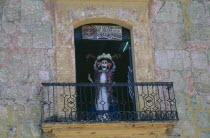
x,y
97,47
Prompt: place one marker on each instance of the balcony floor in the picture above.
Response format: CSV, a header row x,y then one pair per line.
x,y
107,130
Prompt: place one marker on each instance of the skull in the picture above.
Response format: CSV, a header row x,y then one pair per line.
x,y
104,64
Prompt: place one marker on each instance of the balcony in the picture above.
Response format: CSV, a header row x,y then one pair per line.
x,y
76,108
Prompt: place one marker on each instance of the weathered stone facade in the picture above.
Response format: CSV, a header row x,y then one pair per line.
x,y
170,40
181,42
25,62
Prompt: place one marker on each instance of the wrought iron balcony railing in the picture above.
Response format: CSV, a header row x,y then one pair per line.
x,y
113,102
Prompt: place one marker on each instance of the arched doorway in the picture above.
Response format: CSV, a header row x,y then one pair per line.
x,y
86,52
94,47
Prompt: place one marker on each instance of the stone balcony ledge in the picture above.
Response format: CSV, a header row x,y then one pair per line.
x,y
107,130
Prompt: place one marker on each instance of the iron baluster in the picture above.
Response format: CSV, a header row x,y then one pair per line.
x,y
164,97
123,102
169,98
159,99
53,101
177,117
42,105
48,102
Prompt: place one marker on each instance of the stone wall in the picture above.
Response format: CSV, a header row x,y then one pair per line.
x,y
181,41
25,62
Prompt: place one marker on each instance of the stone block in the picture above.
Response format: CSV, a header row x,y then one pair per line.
x,y
161,75
2,2
2,57
186,127
23,75
199,59
19,113
208,6
44,75
179,82
28,76
4,41
11,131
188,131
208,53
35,130
1,130
204,134
202,77
34,115
14,2
4,74
26,28
198,1
51,52
173,31
1,12
9,27
17,75
172,59
163,58
35,60
169,36
1,95
25,130
12,14
199,87
189,79
170,12
198,45
203,119
205,100
181,106
181,60
196,13
199,32
19,59
3,113
42,36
14,93
25,41
34,93
193,102
32,10
48,62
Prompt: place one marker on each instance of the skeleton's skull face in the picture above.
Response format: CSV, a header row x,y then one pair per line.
x,y
104,64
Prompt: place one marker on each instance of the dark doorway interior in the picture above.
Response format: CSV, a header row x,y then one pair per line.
x,y
97,47
85,66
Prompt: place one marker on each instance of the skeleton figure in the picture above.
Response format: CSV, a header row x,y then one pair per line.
x,y
104,67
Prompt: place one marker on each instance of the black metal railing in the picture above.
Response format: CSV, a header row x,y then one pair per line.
x,y
81,102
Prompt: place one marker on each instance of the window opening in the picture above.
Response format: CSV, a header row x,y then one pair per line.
x,y
86,51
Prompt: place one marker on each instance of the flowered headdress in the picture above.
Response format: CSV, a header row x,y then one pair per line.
x,y
110,63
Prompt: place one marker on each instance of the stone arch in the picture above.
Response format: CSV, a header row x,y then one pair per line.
x,y
103,20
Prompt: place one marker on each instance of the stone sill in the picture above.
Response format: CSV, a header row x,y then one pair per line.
x,y
107,130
